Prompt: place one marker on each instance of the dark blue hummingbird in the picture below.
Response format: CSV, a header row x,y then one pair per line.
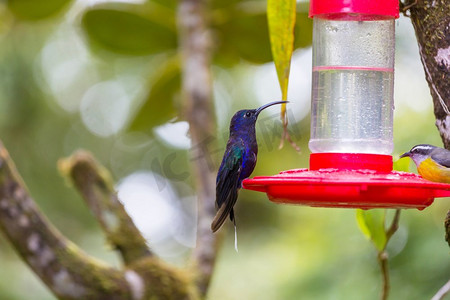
x,y
238,162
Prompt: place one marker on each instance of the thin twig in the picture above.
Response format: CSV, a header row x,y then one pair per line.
x,y
383,258
447,228
287,136
405,7
443,291
394,225
384,265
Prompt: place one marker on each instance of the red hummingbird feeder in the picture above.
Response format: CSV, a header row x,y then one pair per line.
x,y
351,116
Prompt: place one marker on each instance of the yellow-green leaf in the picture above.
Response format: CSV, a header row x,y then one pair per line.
x,y
281,15
281,18
402,164
371,223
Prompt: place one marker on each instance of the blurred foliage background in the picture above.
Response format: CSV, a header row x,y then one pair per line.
x,y
105,76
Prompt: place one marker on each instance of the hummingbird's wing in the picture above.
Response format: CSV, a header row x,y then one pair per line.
x,y
441,156
227,184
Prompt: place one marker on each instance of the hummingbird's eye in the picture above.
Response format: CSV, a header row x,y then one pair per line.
x,y
248,114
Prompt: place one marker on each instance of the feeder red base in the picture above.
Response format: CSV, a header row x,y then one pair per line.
x,y
349,187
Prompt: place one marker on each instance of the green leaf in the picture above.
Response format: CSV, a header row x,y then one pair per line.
x,y
303,30
131,29
371,223
159,107
281,15
33,10
242,33
402,164
244,36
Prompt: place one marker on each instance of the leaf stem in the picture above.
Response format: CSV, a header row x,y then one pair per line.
x,y
383,257
384,265
394,225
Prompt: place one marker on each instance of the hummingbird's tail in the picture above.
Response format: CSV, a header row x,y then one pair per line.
x,y
235,235
219,219
225,210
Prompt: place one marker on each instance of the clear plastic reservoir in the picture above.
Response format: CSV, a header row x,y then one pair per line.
x,y
352,86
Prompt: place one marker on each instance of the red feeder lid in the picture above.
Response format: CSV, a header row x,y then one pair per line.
x,y
388,8
349,187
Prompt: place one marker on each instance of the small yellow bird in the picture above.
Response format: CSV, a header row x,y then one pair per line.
x,y
433,163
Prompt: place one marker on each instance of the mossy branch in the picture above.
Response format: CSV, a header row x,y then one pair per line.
x,y
430,20
94,183
65,269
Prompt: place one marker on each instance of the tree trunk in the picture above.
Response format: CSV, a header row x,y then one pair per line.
x,y
431,21
195,48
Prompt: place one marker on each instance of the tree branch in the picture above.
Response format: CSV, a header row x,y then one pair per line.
x,y
95,185
195,48
66,270
430,19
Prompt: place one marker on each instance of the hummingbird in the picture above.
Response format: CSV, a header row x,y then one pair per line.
x,y
238,162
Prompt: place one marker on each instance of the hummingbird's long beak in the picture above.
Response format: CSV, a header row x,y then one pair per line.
x,y
267,105
406,154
